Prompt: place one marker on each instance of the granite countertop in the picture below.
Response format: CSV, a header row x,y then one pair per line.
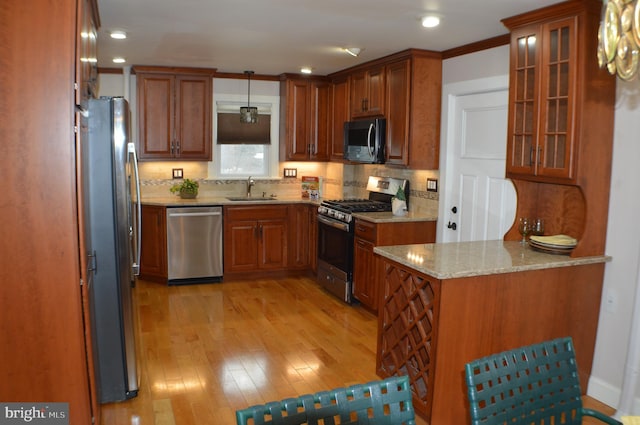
x,y
176,201
467,259
201,201
388,217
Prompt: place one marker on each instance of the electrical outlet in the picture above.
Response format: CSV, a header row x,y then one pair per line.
x,y
177,173
291,172
432,185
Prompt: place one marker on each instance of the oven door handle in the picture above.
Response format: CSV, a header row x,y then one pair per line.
x,y
333,223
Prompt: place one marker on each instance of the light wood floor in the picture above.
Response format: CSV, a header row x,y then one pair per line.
x,y
207,350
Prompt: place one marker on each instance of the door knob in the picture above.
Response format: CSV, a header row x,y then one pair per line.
x,y
452,226
454,210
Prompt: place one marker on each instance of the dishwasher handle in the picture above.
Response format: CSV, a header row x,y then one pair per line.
x,y
195,214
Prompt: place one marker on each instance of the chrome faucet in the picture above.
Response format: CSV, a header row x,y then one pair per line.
x,y
250,182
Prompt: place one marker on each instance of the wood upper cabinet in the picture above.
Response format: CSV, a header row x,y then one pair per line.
x,y
87,64
174,113
406,89
398,108
304,121
560,129
414,90
255,238
367,92
153,255
339,115
555,93
543,98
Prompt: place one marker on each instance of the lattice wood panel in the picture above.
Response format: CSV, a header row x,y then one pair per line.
x,y
407,331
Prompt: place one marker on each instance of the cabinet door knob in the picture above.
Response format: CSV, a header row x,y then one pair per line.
x,y
452,226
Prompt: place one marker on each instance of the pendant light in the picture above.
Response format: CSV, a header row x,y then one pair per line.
x,y
248,114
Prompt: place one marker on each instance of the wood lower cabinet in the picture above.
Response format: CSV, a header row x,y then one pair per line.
x,y
365,273
153,253
367,267
303,239
428,328
255,238
313,238
174,113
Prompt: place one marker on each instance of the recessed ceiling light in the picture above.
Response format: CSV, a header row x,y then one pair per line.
x,y
306,70
430,21
119,60
353,51
118,34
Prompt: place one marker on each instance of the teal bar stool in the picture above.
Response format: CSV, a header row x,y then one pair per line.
x,y
385,402
536,384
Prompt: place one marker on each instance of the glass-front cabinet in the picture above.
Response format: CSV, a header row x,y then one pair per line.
x,y
543,81
561,116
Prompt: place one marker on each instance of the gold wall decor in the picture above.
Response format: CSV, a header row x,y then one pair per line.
x,y
619,38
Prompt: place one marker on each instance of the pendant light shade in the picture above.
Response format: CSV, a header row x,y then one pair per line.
x,y
248,114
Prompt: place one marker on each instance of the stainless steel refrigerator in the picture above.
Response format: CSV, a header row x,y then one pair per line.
x,y
113,203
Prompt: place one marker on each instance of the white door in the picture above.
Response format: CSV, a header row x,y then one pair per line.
x,y
477,202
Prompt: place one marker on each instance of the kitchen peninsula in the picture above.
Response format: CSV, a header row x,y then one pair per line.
x,y
446,304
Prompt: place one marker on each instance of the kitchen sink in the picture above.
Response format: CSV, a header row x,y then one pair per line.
x,y
245,199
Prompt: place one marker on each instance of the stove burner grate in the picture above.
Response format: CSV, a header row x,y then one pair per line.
x,y
358,205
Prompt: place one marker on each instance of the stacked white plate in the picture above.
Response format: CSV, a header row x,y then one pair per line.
x,y
556,244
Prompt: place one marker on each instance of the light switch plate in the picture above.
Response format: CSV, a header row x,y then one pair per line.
x,y
177,173
432,185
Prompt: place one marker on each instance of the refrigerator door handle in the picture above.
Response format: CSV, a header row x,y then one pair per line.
x,y
131,149
92,261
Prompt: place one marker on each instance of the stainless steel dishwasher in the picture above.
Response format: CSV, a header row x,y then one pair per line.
x,y
194,244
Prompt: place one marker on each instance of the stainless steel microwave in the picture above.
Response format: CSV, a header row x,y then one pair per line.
x,y
364,141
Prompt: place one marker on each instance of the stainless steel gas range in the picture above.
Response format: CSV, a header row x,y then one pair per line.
x,y
336,232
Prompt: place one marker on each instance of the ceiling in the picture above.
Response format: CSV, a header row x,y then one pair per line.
x,y
276,36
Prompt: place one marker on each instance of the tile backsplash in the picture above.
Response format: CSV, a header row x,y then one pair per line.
x,y
338,181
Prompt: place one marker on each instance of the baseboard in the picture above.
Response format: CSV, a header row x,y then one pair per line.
x,y
603,392
610,395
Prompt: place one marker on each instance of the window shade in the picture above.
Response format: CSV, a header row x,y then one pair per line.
x,y
232,132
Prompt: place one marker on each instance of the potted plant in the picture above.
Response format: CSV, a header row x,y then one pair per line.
x,y
188,189
399,203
